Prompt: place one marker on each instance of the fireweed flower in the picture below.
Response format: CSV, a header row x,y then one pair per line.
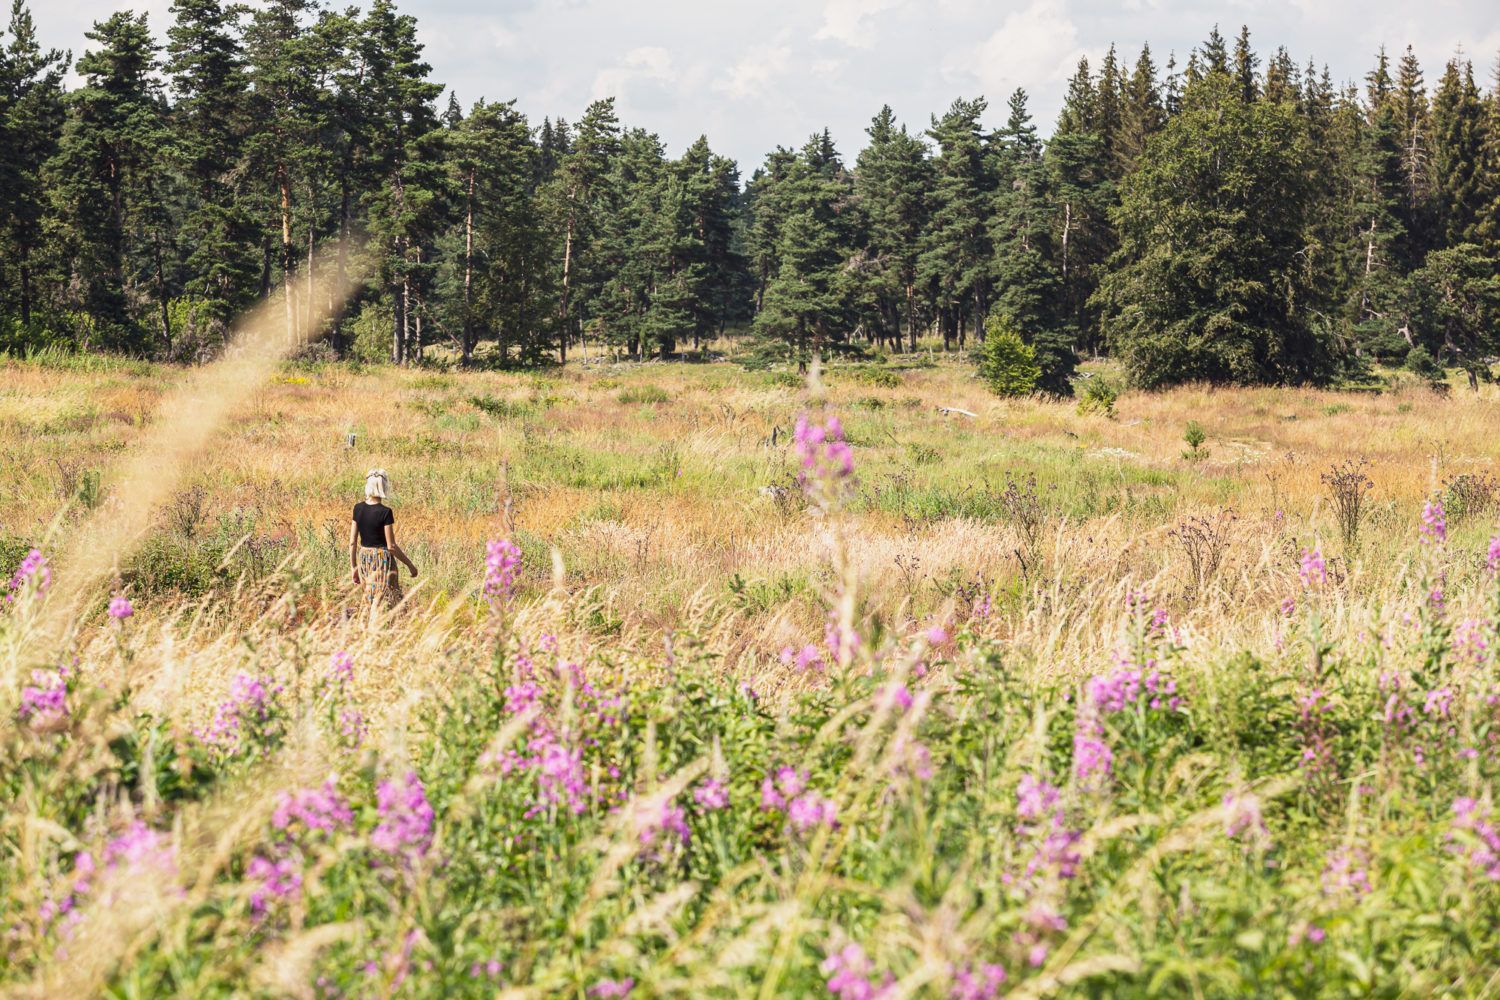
x,y
1312,569
1346,874
405,827
1035,798
1243,820
44,702
1474,838
610,988
661,826
251,711
502,559
786,792
1434,528
977,982
276,880
341,670
804,659
711,795
1093,760
33,573
312,810
849,972
1492,555
120,608
825,459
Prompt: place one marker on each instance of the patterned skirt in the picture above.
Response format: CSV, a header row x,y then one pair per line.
x,y
377,573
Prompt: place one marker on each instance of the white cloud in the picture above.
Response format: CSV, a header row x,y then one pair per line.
x,y
755,71
848,21
649,62
1036,48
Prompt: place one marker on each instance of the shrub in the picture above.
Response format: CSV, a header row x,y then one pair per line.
x,y
370,335
1194,437
1420,362
1098,395
1006,362
1347,486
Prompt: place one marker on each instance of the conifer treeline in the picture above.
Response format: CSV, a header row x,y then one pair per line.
x,y
1230,221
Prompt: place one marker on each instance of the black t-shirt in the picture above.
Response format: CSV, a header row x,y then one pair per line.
x,y
372,519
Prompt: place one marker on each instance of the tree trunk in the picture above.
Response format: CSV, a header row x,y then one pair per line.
x,y
283,179
25,270
562,333
468,334
911,316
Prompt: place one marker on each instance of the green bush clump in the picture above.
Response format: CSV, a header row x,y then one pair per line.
x,y
1097,395
1007,364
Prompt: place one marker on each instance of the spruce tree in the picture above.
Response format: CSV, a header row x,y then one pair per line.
x,y
1458,155
955,258
205,64
891,181
31,118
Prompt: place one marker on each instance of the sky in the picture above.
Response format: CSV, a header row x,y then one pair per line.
x,y
752,76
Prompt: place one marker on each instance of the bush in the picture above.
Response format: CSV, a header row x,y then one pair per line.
x,y
370,335
1098,395
1420,362
1006,362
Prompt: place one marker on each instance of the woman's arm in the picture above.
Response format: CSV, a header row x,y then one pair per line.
x,y
390,542
354,549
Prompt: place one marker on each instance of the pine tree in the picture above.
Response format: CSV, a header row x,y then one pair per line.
x,y
710,198
1413,133
1245,62
206,66
1026,283
891,179
406,209
575,195
955,257
108,202
1207,283
806,301
31,118
1458,155
1141,115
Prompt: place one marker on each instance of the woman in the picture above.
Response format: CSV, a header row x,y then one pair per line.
x,y
373,551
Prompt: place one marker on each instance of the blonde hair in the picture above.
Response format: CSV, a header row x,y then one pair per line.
x,y
377,484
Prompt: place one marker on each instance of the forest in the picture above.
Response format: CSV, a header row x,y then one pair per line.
x,y
1239,218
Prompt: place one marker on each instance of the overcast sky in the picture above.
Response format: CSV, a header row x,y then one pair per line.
x,y
756,74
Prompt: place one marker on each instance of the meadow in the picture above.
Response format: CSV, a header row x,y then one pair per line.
x,y
720,682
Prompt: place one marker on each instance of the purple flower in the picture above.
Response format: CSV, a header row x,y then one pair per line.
x,y
279,879
787,792
502,559
1243,820
849,970
1035,798
1092,758
1346,873
810,810
711,795
661,826
119,608
977,982
1474,837
1313,570
804,659
405,827
826,460
607,988
319,809
251,711
44,702
1492,555
341,669
141,847
34,571
1434,523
